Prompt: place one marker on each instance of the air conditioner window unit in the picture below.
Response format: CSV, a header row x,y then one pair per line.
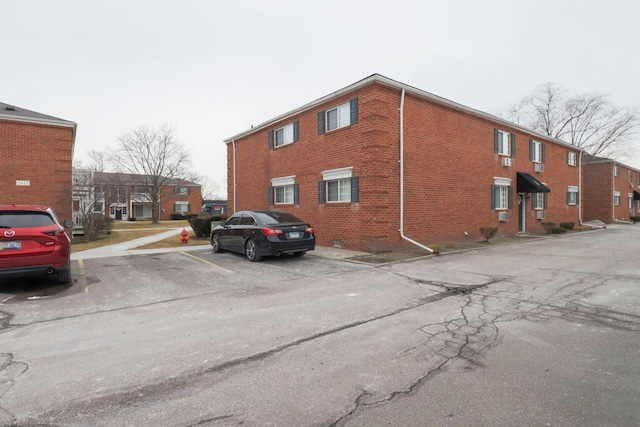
x,y
503,216
539,167
506,161
541,215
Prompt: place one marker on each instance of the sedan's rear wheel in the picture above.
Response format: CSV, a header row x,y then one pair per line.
x,y
215,243
251,250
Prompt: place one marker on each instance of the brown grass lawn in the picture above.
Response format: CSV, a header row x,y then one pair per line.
x,y
128,230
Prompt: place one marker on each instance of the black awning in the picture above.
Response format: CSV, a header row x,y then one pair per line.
x,y
529,184
636,195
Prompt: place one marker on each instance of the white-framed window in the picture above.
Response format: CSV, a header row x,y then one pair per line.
x,y
283,195
338,117
142,211
537,152
572,195
537,201
629,176
572,158
616,170
181,207
339,190
338,186
98,207
616,198
284,135
503,142
181,191
630,199
501,194
283,191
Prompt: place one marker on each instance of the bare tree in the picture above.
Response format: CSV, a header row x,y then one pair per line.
x,y
588,121
88,205
210,189
98,160
153,156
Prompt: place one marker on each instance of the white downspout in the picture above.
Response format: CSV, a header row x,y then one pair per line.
x,y
235,196
402,179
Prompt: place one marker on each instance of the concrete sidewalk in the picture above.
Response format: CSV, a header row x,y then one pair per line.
x,y
128,248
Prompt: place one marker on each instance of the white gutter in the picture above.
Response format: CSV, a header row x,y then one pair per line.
x,y
235,197
402,178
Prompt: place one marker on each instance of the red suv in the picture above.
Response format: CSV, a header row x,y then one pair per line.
x,y
33,241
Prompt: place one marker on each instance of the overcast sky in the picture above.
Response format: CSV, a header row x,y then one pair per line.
x,y
214,68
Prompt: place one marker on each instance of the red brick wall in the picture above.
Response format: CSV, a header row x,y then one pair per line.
x,y
600,185
450,166
168,199
42,155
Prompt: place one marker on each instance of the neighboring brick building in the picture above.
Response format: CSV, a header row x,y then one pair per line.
x,y
122,196
611,190
340,162
37,153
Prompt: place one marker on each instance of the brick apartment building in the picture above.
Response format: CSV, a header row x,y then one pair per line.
x,y
37,153
381,165
611,190
123,196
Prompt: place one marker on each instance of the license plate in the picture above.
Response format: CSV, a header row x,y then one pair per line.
x,y
294,234
14,244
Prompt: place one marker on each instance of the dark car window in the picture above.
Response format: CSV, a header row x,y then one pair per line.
x,y
247,220
277,218
234,220
25,219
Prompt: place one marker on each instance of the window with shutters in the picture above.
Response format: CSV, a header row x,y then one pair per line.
x,y
338,186
536,152
181,191
501,194
285,135
538,201
572,158
338,117
572,195
283,191
504,143
616,198
181,207
630,201
616,171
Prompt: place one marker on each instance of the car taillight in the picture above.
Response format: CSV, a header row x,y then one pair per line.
x,y
310,230
53,232
271,231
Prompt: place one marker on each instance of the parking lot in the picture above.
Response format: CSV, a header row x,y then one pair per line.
x,y
544,332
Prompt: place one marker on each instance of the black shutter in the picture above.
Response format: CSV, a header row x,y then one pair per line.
x,y
577,198
546,200
513,145
296,193
270,196
568,156
295,131
568,196
531,149
271,140
494,196
321,198
510,197
496,140
543,154
355,189
321,116
354,110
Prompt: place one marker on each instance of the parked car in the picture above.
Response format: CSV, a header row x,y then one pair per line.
x,y
33,241
263,233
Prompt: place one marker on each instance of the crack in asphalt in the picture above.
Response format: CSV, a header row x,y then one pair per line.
x,y
9,371
470,334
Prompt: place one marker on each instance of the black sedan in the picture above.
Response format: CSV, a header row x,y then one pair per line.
x,y
258,234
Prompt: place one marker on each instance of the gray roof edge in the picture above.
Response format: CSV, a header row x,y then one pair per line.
x,y
38,120
378,78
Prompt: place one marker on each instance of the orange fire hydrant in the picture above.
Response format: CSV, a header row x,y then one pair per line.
x,y
184,236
